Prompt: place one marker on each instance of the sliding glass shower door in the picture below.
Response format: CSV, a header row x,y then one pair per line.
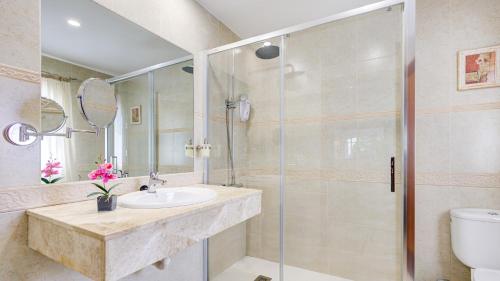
x,y
323,143
342,135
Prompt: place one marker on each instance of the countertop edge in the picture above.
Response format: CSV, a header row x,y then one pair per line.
x,y
112,235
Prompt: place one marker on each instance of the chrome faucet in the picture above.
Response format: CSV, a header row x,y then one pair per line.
x,y
153,181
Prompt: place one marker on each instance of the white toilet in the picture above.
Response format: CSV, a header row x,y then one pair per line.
x,y
475,239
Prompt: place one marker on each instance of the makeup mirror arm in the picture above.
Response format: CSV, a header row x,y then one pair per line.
x,y
25,132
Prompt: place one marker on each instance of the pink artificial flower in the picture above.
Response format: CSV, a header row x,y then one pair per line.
x,y
53,172
56,165
50,168
92,175
108,176
47,173
103,172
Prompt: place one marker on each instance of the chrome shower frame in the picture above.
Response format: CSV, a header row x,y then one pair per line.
x,y
407,113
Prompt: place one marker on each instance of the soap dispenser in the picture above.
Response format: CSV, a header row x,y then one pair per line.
x,y
189,149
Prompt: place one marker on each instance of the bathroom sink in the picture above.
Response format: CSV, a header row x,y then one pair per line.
x,y
166,198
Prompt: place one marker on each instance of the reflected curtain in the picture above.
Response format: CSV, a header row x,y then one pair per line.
x,y
59,148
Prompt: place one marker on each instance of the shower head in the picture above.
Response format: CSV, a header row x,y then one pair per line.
x,y
188,69
267,51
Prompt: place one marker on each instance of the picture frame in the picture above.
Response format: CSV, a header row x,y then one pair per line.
x,y
479,68
135,115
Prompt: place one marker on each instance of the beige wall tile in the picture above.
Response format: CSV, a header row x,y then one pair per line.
x,y
379,34
19,34
187,265
436,58
474,142
433,143
226,248
369,204
19,165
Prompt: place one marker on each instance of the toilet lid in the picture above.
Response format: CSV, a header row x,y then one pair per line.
x,y
486,275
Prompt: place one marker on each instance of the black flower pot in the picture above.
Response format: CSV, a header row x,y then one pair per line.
x,y
106,204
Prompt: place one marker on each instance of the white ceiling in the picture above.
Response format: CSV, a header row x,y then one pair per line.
x,y
105,41
248,18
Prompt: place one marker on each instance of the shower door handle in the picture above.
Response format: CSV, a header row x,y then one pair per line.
x,y
393,184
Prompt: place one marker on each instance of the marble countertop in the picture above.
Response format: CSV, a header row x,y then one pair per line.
x,y
107,246
83,216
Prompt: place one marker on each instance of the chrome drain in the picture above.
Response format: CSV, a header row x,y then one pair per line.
x,y
263,278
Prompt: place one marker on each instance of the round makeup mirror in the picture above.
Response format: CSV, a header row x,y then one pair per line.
x,y
53,117
97,102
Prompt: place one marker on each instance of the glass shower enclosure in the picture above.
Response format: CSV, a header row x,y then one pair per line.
x,y
326,139
163,95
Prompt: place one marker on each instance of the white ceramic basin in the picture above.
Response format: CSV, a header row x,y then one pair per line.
x,y
166,198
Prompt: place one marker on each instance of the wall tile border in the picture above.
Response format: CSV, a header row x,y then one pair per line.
x,y
476,180
19,73
34,196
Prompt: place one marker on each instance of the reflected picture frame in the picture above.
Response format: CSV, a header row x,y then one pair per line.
x,y
479,68
135,115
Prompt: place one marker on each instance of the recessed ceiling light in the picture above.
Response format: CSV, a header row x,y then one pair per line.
x,y
73,22
267,43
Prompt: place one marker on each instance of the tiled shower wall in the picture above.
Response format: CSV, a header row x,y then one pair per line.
x,y
456,137
342,89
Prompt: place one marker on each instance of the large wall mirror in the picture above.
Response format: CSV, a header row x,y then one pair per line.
x,y
151,100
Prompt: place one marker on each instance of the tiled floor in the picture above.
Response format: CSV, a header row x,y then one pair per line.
x,y
248,268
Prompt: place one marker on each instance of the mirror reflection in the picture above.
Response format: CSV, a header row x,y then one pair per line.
x,y
174,90
97,101
105,73
52,115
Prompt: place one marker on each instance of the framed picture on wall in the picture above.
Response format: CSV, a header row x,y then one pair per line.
x,y
479,68
135,115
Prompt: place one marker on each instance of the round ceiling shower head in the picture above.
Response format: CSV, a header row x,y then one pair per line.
x,y
188,69
267,52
